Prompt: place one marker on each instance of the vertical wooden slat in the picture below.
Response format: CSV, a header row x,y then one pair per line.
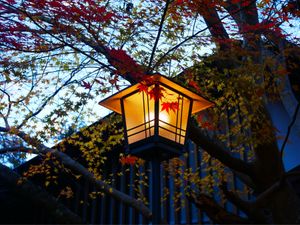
x,y
102,210
164,201
131,214
193,163
146,189
85,201
93,207
199,165
76,197
112,202
121,213
172,190
168,197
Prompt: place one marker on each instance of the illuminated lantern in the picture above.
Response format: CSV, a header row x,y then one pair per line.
x,y
156,116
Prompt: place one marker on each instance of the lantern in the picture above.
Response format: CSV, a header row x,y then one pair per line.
x,y
156,116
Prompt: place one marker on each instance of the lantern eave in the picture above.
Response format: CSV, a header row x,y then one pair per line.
x,y
199,103
113,102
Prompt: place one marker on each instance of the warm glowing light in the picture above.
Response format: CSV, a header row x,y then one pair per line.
x,y
163,116
164,136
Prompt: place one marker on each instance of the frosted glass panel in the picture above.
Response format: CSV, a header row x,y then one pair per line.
x,y
139,115
173,124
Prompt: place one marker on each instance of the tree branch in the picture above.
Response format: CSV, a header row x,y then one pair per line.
x,y
215,26
52,22
18,149
245,179
75,166
248,207
289,131
214,211
9,107
196,34
218,152
40,197
158,34
244,15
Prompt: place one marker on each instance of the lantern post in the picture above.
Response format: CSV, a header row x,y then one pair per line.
x,y
156,119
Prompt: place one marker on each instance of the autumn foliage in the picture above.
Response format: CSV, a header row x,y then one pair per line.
x,y
60,57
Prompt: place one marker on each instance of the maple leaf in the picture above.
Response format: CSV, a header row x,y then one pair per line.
x,y
114,80
194,85
170,106
67,192
86,85
207,125
165,106
104,91
124,63
99,82
156,93
179,2
128,160
200,117
143,87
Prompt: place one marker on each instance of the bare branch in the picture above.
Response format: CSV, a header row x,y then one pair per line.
x,y
5,119
9,106
158,34
35,51
18,149
197,33
289,130
67,82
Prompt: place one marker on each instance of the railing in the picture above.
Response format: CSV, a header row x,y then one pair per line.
x,y
106,210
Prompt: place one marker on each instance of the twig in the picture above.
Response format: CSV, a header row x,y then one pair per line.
x,y
30,115
196,34
289,130
83,39
158,34
18,149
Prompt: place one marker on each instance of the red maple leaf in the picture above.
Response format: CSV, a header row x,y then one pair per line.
x,y
128,160
165,106
143,87
156,93
169,106
200,117
86,85
104,91
124,64
207,125
114,80
194,85
99,82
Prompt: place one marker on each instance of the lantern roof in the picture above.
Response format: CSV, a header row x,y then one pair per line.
x,y
199,103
